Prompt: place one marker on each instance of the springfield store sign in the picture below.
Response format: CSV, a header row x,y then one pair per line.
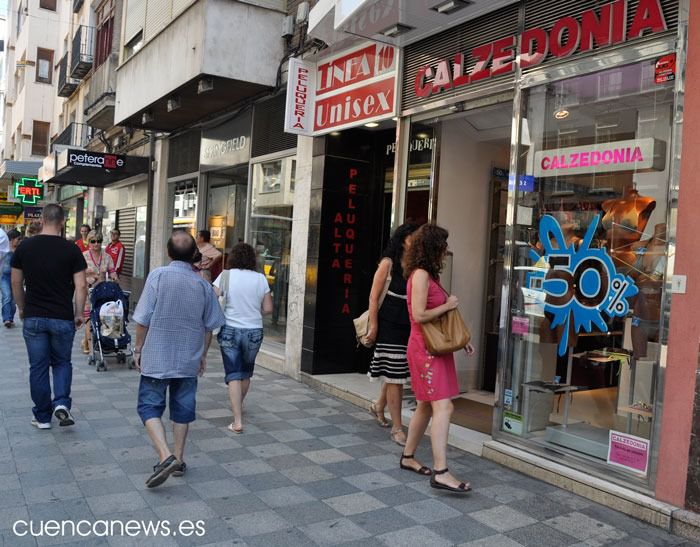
x,y
349,89
614,23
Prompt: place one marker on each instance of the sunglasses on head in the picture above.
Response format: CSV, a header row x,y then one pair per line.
x,y
95,241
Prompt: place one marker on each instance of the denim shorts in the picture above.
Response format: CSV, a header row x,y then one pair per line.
x,y
152,394
239,348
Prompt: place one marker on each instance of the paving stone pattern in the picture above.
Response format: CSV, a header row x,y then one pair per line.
x,y
308,470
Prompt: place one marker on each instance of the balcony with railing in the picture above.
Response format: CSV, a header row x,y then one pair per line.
x,y
66,84
75,135
82,51
100,97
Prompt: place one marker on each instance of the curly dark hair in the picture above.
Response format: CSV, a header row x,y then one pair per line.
x,y
394,249
241,257
427,250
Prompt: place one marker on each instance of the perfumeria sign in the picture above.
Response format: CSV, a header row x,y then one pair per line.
x,y
349,89
614,23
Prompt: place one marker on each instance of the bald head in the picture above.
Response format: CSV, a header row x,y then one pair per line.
x,y
182,246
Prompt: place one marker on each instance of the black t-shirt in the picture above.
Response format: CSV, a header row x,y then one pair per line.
x,y
48,263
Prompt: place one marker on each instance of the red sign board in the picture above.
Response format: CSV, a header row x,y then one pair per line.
x,y
349,89
665,69
614,23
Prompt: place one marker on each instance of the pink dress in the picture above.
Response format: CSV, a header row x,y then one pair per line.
x,y
433,377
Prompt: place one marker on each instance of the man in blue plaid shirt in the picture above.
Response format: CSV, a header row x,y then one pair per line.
x,y
175,317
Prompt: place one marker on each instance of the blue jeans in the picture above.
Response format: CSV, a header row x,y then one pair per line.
x,y
8,302
183,400
49,345
239,348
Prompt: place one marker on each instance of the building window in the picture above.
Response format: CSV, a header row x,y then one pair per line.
x,y
44,62
105,31
48,4
133,45
40,138
21,16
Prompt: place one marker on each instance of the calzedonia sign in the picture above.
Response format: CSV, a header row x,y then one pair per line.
x,y
613,23
346,90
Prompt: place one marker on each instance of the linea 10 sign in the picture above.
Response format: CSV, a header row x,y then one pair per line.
x,y
346,90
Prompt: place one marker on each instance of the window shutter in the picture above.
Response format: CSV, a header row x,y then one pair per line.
x,y
158,15
135,18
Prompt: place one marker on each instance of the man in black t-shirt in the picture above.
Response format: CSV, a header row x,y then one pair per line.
x,y
52,269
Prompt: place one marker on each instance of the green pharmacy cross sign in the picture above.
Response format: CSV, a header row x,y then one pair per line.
x,y
29,191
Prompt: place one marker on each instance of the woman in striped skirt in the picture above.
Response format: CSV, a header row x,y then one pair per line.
x,y
389,328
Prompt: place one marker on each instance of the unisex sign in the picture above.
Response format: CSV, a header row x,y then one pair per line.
x,y
613,23
349,89
631,155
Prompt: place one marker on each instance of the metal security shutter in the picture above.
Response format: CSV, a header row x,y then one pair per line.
x,y
500,24
462,38
268,128
158,15
135,13
181,5
183,153
126,223
545,14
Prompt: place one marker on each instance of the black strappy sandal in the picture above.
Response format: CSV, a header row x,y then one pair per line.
x,y
462,488
425,471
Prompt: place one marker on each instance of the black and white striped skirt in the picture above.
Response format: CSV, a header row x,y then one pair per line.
x,y
389,362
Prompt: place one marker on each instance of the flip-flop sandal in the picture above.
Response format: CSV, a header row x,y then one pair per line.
x,y
381,420
422,470
234,430
463,487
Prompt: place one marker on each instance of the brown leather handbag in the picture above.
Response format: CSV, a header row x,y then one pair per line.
x,y
447,333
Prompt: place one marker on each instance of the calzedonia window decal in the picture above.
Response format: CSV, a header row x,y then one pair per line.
x,y
614,23
580,285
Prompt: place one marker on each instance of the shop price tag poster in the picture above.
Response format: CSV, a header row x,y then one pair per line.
x,y
628,451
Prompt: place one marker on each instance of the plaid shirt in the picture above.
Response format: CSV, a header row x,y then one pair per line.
x,y
178,307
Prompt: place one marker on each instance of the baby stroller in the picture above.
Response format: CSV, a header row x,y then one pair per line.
x,y
109,312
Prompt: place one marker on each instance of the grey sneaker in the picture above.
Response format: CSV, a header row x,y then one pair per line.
x,y
40,425
63,415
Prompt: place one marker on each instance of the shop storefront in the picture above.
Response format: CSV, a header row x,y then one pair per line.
x,y
553,128
347,98
125,207
120,183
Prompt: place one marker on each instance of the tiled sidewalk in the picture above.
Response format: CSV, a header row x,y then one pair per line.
x,y
308,470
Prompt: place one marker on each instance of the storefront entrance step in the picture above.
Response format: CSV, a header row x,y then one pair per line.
x,y
358,390
631,502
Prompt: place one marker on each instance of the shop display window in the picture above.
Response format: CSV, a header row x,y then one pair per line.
x,y
140,242
589,255
271,235
184,200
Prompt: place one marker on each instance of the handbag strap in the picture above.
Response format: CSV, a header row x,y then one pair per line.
x,y
386,285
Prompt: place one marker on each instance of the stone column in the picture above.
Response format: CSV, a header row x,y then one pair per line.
x,y
298,262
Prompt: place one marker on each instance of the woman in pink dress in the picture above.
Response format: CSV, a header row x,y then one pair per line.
x,y
433,377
